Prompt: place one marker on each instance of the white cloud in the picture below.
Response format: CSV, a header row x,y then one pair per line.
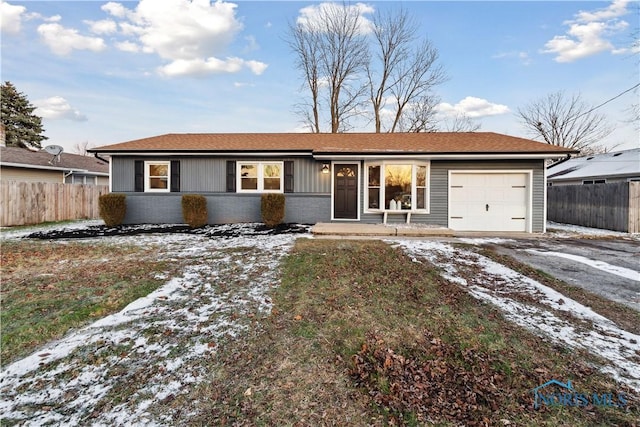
x,y
190,35
588,33
252,44
57,108
54,18
523,57
12,16
311,16
62,40
616,9
115,9
473,108
182,29
202,67
105,26
127,46
256,67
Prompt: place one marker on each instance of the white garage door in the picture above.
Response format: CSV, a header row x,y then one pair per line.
x,y
488,201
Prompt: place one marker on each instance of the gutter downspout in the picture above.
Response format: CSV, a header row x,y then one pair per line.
x,y
559,162
100,158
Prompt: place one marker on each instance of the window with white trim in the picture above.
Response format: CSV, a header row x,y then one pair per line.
x,y
260,177
401,185
156,176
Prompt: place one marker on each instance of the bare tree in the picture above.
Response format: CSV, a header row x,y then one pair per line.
x,y
392,35
565,121
405,75
460,123
419,116
304,42
332,52
82,147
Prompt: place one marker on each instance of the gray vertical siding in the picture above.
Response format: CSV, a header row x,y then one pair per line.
x,y
122,174
311,200
537,166
208,174
439,191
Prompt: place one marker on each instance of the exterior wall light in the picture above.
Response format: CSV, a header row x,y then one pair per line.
x,y
325,168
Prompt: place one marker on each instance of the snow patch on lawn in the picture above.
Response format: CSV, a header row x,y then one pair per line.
x,y
499,285
23,231
157,346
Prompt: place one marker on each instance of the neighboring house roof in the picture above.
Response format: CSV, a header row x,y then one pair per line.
x,y
619,164
23,158
338,143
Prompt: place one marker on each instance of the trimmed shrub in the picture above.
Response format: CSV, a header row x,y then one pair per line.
x,y
113,208
272,208
194,210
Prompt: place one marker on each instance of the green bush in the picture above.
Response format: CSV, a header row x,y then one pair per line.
x,y
113,208
194,210
272,208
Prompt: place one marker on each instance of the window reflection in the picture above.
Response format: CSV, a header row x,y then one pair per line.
x,y
397,180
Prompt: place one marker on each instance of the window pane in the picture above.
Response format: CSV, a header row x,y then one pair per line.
x,y
249,183
271,170
421,194
272,183
346,171
397,185
158,183
374,176
374,198
421,176
248,171
158,170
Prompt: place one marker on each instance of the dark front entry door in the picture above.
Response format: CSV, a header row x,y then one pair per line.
x,y
345,191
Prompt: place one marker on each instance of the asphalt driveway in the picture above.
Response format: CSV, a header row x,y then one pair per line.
x,y
607,267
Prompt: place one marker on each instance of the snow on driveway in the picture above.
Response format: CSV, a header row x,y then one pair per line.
x,y
627,273
554,315
113,371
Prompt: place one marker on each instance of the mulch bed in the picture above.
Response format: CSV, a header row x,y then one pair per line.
x,y
225,230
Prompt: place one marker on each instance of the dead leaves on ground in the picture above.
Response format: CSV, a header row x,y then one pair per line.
x,y
450,384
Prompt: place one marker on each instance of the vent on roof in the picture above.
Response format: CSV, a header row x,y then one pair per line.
x,y
617,154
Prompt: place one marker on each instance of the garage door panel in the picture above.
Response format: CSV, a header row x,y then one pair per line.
x,y
488,201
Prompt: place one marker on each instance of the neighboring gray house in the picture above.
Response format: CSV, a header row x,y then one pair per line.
x,y
621,166
465,181
22,165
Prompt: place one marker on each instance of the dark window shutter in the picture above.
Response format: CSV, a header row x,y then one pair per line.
x,y
288,177
175,176
139,175
231,176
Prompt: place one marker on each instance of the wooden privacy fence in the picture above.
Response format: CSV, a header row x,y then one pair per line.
x,y
614,206
23,203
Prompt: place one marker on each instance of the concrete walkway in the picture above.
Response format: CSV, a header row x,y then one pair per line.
x,y
350,230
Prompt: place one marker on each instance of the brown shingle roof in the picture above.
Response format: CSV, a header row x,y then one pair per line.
x,y
365,143
22,156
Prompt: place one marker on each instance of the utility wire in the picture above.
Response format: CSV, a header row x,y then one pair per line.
x,y
607,101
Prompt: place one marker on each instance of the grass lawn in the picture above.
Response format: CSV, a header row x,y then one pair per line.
x,y
362,335
50,287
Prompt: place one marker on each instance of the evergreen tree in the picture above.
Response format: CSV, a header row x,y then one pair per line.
x,y
22,127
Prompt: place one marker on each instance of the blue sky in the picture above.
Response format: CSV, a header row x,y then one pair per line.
x,y
106,72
